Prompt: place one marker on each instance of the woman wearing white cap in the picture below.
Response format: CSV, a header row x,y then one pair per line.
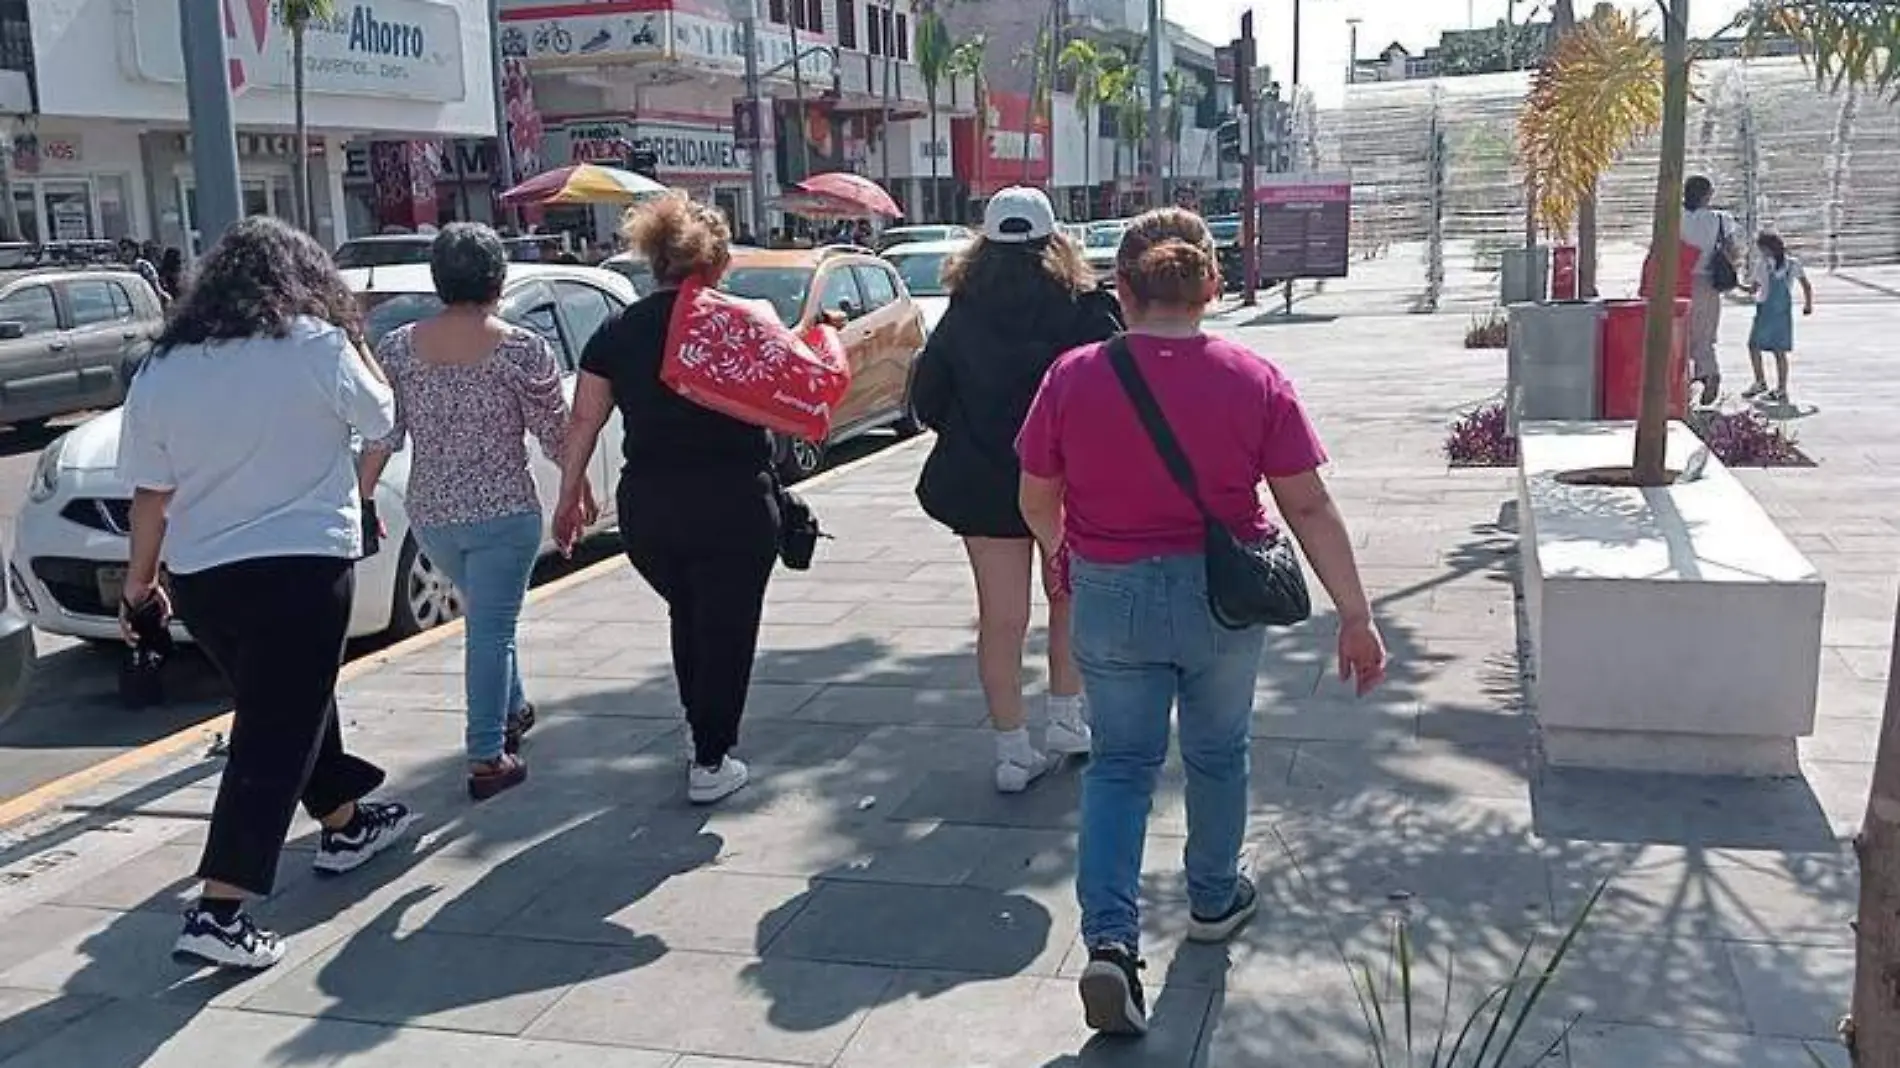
x,y
1020,296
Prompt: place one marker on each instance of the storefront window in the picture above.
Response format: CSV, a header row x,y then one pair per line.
x,y
25,215
68,210
115,213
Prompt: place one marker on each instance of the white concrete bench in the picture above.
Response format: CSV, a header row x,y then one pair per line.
x,y
1672,628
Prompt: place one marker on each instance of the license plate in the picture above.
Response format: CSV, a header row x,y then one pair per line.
x,y
111,581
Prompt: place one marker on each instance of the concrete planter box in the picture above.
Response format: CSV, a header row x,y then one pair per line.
x,y
1672,629
1553,366
1524,275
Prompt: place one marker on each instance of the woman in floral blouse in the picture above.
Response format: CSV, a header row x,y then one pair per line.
x,y
469,389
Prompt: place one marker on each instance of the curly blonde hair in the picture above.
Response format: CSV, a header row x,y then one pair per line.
x,y
984,267
680,238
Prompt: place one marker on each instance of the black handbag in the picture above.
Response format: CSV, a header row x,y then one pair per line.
x,y
1247,585
1722,273
798,529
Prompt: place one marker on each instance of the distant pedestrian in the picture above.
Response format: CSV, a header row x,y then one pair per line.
x,y
236,442
171,272
698,503
1713,234
469,389
1095,486
132,256
1774,279
1020,296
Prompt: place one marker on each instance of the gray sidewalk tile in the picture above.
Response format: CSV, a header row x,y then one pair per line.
x,y
950,928
895,706
1612,1046
29,1017
619,904
1794,991
452,982
802,1012
939,1020
1691,893
164,880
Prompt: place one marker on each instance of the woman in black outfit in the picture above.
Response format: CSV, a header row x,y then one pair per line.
x,y
1020,296
698,511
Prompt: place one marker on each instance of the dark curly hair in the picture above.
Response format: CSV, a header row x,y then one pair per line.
x,y
261,274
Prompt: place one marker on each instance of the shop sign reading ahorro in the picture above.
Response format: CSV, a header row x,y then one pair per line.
x,y
384,48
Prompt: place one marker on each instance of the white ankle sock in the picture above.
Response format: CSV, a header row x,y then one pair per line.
x,y
1013,747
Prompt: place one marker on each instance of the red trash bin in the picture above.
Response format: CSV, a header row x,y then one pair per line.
x,y
1620,392
1563,272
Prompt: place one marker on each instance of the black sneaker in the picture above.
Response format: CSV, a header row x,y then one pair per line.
x,y
1222,927
377,826
1112,1001
238,944
520,722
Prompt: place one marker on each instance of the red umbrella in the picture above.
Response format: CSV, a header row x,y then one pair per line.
x,y
855,190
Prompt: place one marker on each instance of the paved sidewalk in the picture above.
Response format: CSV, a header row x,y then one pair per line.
x,y
870,901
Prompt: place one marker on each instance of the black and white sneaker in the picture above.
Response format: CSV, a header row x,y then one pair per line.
x,y
238,944
377,826
1222,927
1112,1001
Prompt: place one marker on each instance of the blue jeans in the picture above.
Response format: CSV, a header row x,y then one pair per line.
x,y
1144,639
489,562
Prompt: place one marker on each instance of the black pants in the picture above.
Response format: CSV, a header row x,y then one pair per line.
x,y
274,628
707,546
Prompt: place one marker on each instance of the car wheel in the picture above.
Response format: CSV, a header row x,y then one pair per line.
x,y
799,459
425,597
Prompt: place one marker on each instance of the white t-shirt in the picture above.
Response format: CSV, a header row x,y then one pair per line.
x,y
253,439
1700,228
1765,273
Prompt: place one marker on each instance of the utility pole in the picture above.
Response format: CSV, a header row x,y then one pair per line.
x,y
504,146
214,155
1157,133
792,10
1285,132
1352,64
1244,65
748,15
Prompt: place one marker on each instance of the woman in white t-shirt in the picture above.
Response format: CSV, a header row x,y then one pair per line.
x,y
1712,232
236,442
1772,284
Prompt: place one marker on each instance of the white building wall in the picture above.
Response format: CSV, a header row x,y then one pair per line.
x,y
120,59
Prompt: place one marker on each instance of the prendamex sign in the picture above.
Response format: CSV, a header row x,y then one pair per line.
x,y
409,48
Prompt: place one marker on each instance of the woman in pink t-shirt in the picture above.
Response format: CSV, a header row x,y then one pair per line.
x,y
1095,488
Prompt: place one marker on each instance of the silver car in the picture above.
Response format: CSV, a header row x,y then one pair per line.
x,y
70,338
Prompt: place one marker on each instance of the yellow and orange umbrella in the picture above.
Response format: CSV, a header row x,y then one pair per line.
x,y
583,183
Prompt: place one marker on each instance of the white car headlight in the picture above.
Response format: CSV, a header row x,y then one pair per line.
x,y
46,474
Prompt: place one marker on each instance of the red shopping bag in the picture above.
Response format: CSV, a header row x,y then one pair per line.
x,y
735,357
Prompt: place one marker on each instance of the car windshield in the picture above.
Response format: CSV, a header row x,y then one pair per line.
x,y
783,287
381,253
922,272
1224,229
384,312
1105,237
635,271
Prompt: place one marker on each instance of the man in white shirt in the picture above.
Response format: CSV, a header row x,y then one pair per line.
x,y
1710,231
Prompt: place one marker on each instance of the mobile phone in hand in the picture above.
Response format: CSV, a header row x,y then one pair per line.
x,y
372,528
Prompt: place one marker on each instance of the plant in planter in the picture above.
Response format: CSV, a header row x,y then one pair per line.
x,y
1482,438
1492,330
1748,438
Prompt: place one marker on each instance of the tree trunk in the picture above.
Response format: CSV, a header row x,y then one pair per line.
x,y
1088,160
935,165
1875,1030
1587,246
300,167
1652,428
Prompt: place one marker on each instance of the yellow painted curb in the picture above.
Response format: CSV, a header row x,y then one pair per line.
x,y
15,809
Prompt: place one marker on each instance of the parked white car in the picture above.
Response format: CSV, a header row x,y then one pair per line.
x,y
921,264
70,543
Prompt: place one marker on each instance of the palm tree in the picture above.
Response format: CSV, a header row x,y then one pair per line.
x,y
296,16
1118,85
1041,90
1183,95
1599,90
966,61
1085,65
934,51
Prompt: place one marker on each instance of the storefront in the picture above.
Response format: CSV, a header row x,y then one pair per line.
x,y
400,69
1011,148
692,153
74,184
465,187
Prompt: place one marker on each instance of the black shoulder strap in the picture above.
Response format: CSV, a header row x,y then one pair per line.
x,y
1152,419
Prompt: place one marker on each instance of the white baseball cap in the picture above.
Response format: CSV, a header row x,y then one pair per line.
x,y
1018,215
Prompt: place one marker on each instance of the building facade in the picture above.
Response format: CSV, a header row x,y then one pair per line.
x,y
105,151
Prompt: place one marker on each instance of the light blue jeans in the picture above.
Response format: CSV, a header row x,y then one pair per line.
x,y
1145,640
490,563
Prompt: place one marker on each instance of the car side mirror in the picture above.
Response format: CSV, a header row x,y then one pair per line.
x,y
848,309
12,330
833,318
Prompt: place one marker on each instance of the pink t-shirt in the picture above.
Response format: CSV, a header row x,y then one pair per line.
x,y
1236,416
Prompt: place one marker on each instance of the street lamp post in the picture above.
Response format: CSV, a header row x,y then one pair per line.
x,y
214,155
747,12
1157,135
504,147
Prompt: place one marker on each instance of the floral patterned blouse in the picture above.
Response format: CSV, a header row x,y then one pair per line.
x,y
469,423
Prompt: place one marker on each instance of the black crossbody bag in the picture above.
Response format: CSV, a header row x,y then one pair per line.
x,y
1247,585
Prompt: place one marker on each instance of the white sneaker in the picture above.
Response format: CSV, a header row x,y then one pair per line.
x,y
1013,776
705,786
1068,732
